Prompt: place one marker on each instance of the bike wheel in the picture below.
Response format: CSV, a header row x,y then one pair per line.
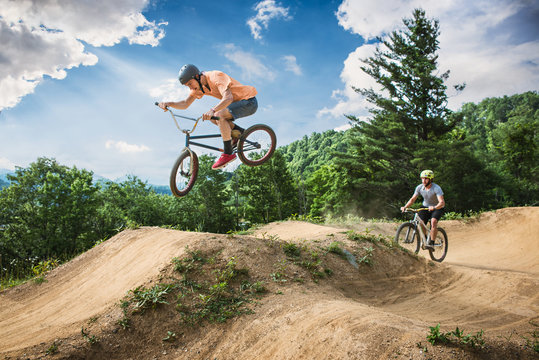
x,y
184,173
256,145
408,237
439,250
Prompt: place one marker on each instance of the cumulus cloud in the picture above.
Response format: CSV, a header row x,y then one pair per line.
x,y
252,67
46,37
169,90
485,44
291,64
125,148
266,11
5,163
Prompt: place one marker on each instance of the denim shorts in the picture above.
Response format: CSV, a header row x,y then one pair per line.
x,y
243,108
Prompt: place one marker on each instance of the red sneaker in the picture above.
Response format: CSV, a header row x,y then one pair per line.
x,y
223,161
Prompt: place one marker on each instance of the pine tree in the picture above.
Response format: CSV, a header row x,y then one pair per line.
x,y
409,111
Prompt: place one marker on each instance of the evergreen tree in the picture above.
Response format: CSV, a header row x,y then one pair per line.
x,y
409,112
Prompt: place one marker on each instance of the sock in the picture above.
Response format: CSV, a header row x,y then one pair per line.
x,y
228,146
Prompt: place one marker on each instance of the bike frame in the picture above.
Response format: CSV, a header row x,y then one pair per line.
x,y
189,137
418,224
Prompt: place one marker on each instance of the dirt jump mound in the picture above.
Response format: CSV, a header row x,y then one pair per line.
x,y
288,290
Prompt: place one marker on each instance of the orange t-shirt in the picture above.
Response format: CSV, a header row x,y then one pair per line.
x,y
218,82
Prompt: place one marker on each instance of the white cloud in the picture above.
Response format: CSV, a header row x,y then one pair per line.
x,y
45,38
249,63
125,148
6,164
266,11
169,90
291,64
480,43
343,127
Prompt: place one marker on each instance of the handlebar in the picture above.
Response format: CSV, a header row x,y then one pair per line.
x,y
185,117
415,210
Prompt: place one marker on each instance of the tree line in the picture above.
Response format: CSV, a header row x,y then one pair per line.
x,y
485,156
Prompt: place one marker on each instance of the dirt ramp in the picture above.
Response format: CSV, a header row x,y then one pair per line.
x,y
296,230
311,326
317,303
506,239
86,286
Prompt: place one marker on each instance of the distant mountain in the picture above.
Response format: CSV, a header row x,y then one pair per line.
x,y
5,172
4,182
159,189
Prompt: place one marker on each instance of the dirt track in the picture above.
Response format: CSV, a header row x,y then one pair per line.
x,y
489,281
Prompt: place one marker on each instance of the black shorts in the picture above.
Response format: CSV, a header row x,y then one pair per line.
x,y
426,215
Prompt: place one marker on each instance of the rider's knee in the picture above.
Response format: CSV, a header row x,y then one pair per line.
x,y
224,115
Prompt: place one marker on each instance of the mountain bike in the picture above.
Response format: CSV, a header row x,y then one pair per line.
x,y
410,235
254,147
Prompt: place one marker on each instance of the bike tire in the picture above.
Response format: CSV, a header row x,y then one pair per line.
x,y
184,173
408,237
440,246
260,142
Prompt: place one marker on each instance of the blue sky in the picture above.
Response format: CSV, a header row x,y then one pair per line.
x,y
78,79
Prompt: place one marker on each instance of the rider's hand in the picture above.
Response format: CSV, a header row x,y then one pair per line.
x,y
208,115
163,105
431,208
403,209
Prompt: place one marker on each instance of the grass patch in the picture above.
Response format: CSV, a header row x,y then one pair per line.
x,y
207,289
457,336
216,299
143,298
291,249
335,248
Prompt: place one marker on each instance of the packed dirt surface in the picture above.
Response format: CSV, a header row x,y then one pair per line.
x,y
366,300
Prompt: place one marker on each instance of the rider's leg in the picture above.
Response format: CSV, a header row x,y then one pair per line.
x,y
424,215
235,110
433,229
225,123
436,215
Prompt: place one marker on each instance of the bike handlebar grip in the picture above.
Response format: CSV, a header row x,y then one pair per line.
x,y
215,118
156,103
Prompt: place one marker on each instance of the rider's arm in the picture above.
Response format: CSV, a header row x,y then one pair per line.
x,y
441,202
181,105
226,100
410,202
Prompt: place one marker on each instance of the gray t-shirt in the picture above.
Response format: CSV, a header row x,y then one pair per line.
x,y
430,196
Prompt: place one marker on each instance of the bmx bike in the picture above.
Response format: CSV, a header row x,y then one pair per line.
x,y
410,235
254,147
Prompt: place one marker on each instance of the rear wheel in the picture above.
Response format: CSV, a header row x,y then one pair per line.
x,y
184,173
439,250
407,237
256,145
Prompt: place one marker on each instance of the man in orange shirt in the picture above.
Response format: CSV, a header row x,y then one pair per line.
x,y
237,101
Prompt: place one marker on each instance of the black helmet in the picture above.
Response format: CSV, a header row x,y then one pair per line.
x,y
188,72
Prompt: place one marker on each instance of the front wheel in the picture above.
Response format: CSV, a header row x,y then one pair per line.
x,y
439,250
184,173
256,145
408,237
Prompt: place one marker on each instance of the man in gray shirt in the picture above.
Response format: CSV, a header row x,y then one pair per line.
x,y
433,199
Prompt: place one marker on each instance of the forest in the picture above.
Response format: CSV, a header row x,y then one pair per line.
x,y
485,156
